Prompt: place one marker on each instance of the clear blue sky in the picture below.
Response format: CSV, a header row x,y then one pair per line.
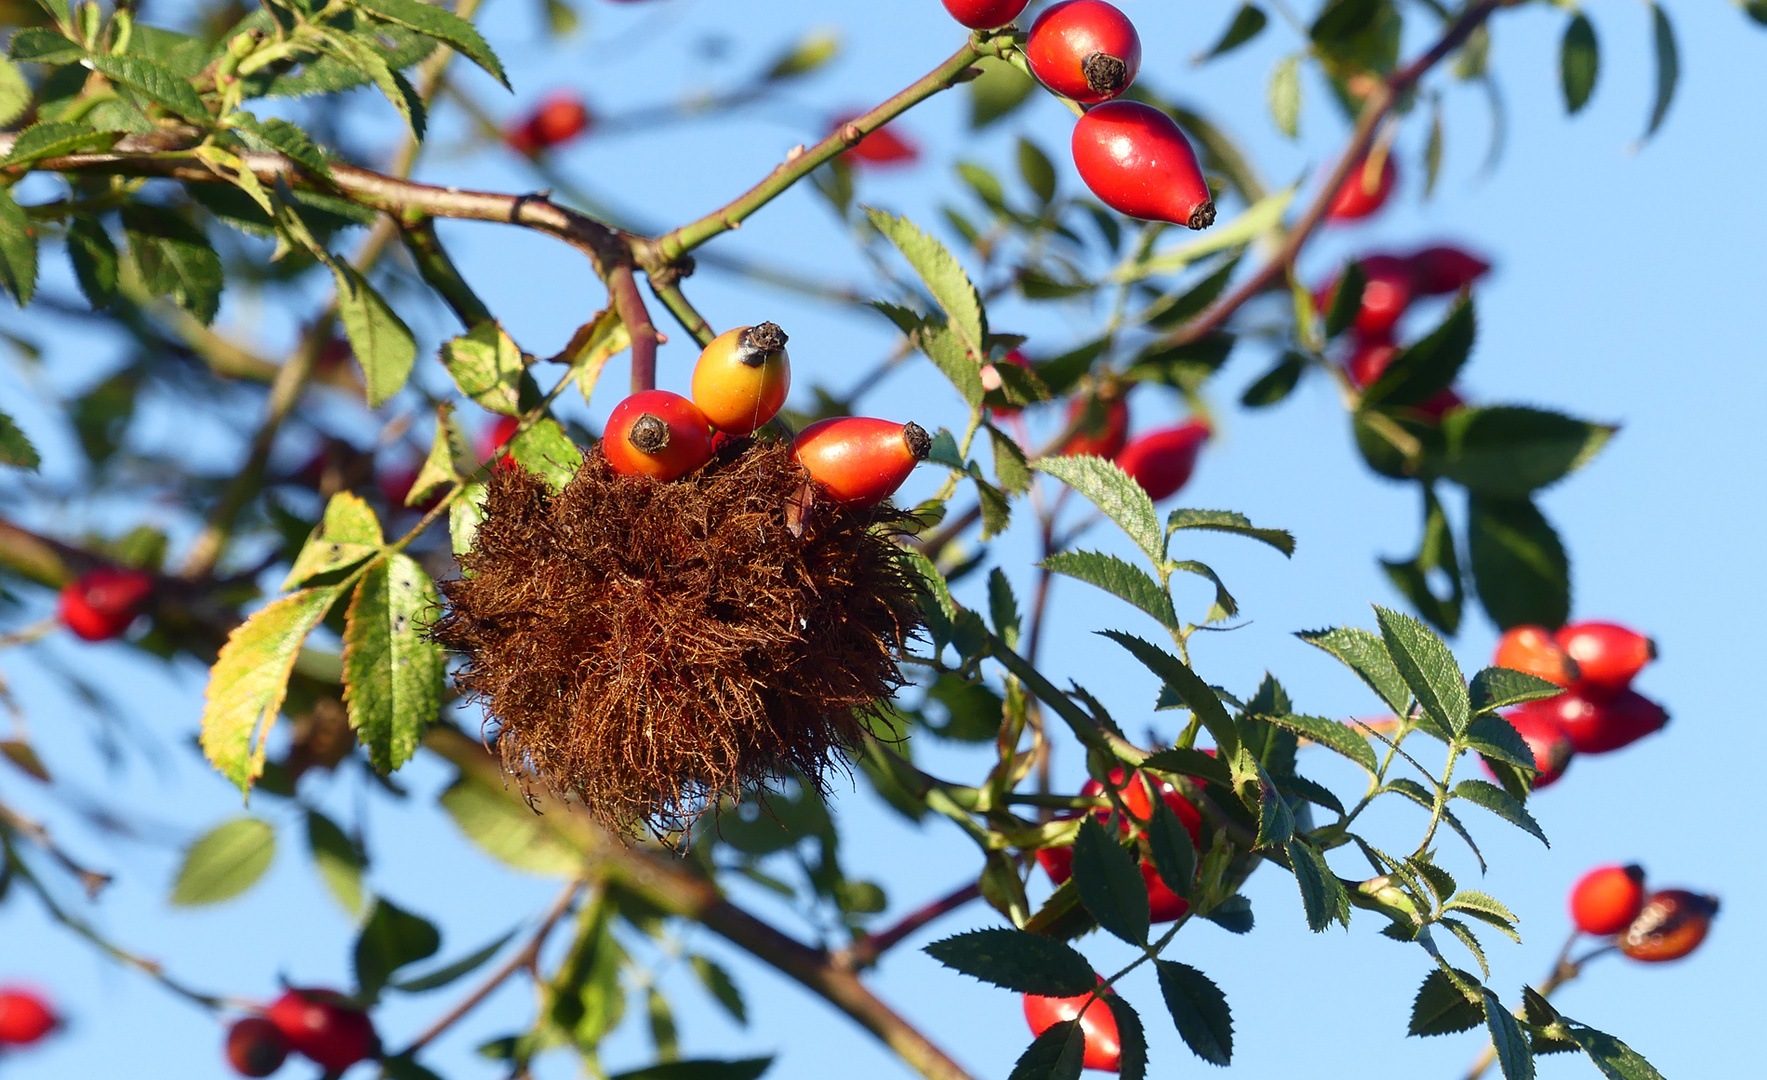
x,y
1629,288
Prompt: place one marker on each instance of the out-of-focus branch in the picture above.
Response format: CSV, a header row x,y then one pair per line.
x,y
866,949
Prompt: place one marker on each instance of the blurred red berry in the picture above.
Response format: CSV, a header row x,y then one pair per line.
x,y
323,1026
1552,748
495,437
1608,655
881,147
1386,294
560,117
1598,724
1162,461
1372,358
1104,435
1442,270
1672,924
1104,1045
1531,649
1606,899
1164,905
985,14
1364,191
25,1017
256,1047
100,604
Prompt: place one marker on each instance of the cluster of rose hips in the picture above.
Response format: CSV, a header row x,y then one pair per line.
x,y
320,1025
1611,902
1599,712
739,384
1097,1024
560,117
25,1017
1132,156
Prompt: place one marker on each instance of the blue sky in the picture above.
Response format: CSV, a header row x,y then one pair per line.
x,y
1628,288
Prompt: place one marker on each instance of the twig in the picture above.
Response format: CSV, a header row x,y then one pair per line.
x,y
866,948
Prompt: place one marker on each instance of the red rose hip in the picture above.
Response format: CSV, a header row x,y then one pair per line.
x,y
658,434
24,1017
1162,461
1101,436
860,461
323,1026
1553,750
1104,1045
1672,924
558,119
1163,904
1364,191
1136,160
1386,294
985,14
100,604
1442,270
1532,650
1598,724
256,1047
880,147
1608,655
1606,899
1085,50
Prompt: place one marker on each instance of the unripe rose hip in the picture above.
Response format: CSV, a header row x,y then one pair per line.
x,y
1672,924
100,604
1531,649
985,14
1134,158
321,1025
1608,655
1162,461
858,460
1552,749
1442,270
742,378
1104,1045
1085,50
1606,899
1600,724
256,1047
1363,191
24,1017
658,434
1103,436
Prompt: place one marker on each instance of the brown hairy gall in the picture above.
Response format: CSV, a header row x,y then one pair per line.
x,y
650,647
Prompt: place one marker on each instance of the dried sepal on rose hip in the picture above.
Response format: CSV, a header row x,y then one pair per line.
x,y
860,460
651,648
658,434
985,14
1673,923
742,378
1085,50
1136,160
1605,900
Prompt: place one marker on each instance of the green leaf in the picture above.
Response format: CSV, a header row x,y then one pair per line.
x,y
1435,552
1176,309
392,668
1248,22
1336,737
391,938
811,53
486,365
1492,736
1010,467
1615,1059
1131,1038
1322,894
1037,170
1015,960
347,534
1508,451
1478,903
1341,20
1442,1008
224,862
1579,61
1056,1054
18,251
1513,1055
380,339
1113,491
280,136
250,678
1199,1009
1502,803
1498,688
1425,663
155,81
1189,687
1276,384
502,825
450,457
545,450
935,338
460,968
1276,821
174,259
1233,915
15,448
721,986
1519,565
999,90
1225,606
1424,369
1668,66
1363,653
1110,883
15,92
54,138
1172,850
943,276
1346,300
1285,95
359,58
700,1069
338,860
440,24
94,258
1118,578
1228,521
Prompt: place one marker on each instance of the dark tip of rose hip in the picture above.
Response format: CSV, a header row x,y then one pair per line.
x,y
1203,216
919,442
1105,74
649,434
1635,872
